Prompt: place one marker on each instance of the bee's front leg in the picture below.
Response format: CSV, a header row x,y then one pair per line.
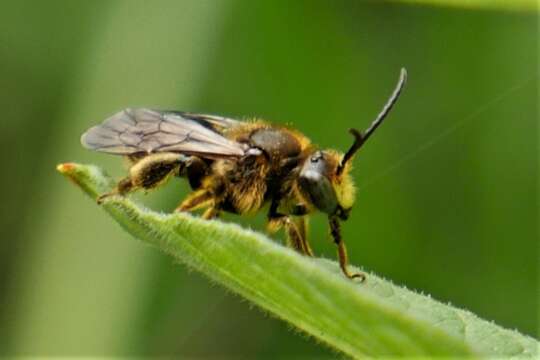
x,y
335,229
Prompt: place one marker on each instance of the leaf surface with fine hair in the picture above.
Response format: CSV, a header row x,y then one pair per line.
x,y
375,318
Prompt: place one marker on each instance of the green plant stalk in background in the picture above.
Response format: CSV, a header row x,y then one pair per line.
x,y
513,5
375,318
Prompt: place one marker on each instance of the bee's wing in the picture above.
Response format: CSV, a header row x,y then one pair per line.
x,y
142,130
218,123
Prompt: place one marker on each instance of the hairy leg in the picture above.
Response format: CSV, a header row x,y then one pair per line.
x,y
294,238
198,199
302,229
296,230
147,173
123,187
201,199
211,213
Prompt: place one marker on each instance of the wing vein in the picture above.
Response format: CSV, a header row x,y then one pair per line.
x,y
136,130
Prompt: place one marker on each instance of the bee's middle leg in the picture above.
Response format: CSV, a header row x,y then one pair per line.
x,y
295,234
209,195
296,230
211,213
302,229
201,199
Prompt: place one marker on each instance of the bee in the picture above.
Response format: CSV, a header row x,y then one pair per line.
x,y
238,167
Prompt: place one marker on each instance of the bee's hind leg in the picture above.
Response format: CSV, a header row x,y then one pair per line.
x,y
123,187
147,173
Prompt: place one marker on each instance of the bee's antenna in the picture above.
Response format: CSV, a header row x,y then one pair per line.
x,y
360,138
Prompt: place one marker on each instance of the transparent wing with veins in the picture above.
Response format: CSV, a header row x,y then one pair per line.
x,y
140,130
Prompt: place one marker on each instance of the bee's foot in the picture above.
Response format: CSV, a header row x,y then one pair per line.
x,y
101,198
353,276
360,276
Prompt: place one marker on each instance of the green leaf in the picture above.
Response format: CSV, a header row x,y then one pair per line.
x,y
519,5
374,318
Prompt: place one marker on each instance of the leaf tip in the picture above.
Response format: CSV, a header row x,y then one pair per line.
x,y
65,168
69,170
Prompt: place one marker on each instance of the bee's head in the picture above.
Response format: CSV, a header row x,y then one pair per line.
x,y
325,179
326,185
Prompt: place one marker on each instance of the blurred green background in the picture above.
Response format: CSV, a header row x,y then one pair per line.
x,y
448,188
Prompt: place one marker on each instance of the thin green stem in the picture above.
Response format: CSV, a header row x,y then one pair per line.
x,y
509,5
